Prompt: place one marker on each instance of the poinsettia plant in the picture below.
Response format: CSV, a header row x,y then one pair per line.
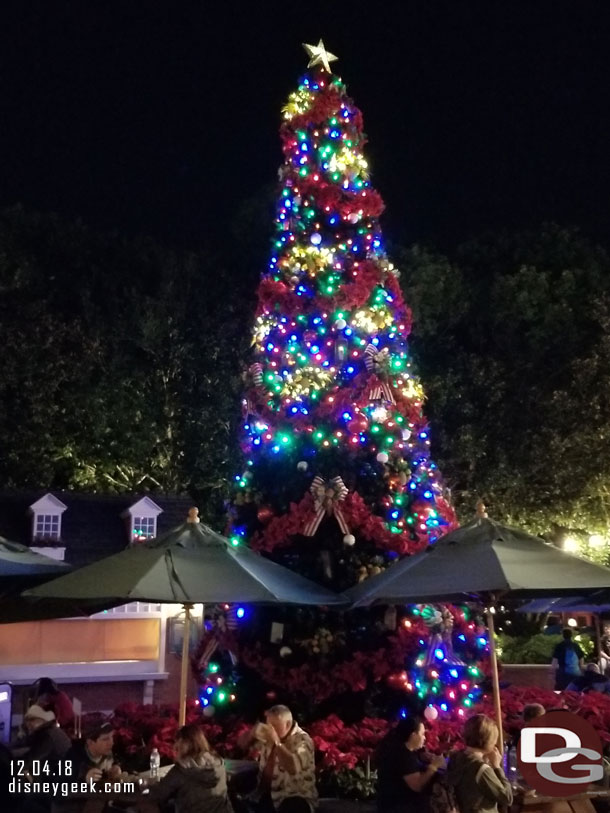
x,y
344,752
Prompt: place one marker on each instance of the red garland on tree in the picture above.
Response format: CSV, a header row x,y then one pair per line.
x,y
332,393
338,479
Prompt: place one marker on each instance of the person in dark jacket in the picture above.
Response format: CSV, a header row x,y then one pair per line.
x,y
45,740
403,778
198,780
91,761
46,744
92,757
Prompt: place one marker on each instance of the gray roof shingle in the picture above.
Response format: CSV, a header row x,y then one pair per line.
x,y
92,527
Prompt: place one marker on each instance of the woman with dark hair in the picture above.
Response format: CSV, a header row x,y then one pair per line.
x,y
198,780
50,697
403,779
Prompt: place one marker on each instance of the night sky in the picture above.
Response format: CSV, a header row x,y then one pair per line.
x,y
162,117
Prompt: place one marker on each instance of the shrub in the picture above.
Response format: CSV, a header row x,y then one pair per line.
x,y
537,648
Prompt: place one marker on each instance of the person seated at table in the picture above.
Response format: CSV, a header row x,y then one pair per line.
x,y
530,712
287,781
403,777
48,695
91,761
198,780
533,710
476,773
46,744
92,756
591,680
45,740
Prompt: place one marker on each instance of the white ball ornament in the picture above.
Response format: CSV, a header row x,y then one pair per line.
x,y
302,465
383,457
315,239
379,414
340,324
285,651
353,218
209,711
349,540
431,713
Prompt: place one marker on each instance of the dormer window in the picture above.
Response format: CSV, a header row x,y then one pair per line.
x,y
46,519
142,520
144,527
48,526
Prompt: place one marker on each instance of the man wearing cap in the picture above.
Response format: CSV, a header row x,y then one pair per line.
x,y
46,741
47,744
92,761
92,756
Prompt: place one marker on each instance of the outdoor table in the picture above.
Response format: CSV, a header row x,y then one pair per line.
x,y
580,803
95,804
234,767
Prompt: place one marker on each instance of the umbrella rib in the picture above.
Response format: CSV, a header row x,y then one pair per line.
x,y
174,578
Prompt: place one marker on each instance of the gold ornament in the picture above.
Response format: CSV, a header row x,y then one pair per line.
x,y
319,55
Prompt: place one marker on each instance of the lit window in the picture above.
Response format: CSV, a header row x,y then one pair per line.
x,y
144,527
141,520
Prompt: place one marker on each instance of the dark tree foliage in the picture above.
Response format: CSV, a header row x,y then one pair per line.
x,y
120,365
513,338
120,362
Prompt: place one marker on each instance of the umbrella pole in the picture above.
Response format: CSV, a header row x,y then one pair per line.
x,y
185,664
495,678
598,635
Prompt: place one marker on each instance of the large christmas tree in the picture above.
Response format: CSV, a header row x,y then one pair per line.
x,y
338,478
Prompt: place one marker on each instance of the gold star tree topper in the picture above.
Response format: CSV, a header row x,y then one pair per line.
x,y
319,55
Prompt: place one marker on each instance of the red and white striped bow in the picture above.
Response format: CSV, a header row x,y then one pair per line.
x,y
378,362
213,640
327,497
207,652
256,371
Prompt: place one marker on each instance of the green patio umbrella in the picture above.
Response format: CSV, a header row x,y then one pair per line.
x,y
20,562
483,562
595,603
191,564
21,567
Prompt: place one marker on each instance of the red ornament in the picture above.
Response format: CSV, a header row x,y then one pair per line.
x,y
264,514
358,424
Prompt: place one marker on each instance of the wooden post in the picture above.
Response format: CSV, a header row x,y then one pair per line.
x,y
494,676
193,517
185,664
598,635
